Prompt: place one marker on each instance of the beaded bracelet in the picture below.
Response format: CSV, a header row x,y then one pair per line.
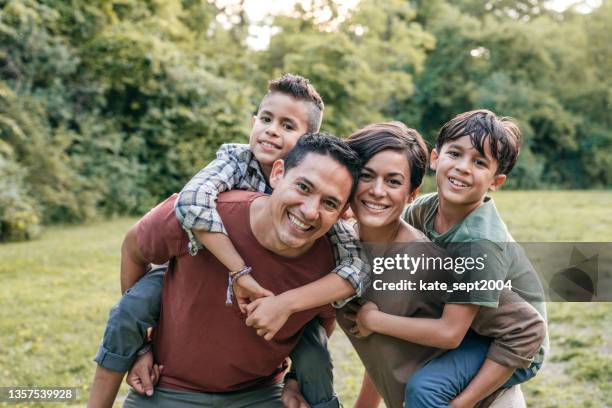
x,y
233,277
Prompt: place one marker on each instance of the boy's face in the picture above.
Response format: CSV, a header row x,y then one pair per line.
x,y
307,200
280,122
463,175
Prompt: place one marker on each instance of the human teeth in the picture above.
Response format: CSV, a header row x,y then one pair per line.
x,y
269,145
374,206
457,182
298,223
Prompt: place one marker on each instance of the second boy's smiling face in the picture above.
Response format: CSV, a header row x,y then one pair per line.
x,y
463,175
279,123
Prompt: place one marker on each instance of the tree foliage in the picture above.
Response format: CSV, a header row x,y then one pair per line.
x,y
107,106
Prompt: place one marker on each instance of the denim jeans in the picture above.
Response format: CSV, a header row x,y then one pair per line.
x,y
128,321
442,379
313,367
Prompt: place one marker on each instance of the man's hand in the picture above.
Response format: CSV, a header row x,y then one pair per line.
x,y
291,397
144,374
267,315
246,289
360,313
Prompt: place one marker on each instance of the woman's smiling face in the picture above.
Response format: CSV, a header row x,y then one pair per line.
x,y
383,190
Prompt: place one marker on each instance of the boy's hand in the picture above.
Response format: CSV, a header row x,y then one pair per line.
x,y
267,315
246,289
359,313
144,374
291,397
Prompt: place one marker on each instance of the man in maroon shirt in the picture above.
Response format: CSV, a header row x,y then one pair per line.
x,y
210,356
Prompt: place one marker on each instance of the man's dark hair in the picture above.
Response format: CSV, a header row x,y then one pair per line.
x,y
300,89
326,145
504,136
375,138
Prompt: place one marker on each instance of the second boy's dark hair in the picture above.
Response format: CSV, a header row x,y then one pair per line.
x,y
375,138
504,136
300,89
326,145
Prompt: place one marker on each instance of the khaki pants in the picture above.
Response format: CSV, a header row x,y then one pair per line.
x,y
510,398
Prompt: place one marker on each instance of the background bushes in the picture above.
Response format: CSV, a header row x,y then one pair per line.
x,y
108,106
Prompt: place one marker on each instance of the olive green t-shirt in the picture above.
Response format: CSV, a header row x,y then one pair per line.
x,y
485,232
482,232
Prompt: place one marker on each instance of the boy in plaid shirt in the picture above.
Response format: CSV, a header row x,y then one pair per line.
x,y
291,108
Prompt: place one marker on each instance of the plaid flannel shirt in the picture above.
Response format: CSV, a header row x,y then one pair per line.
x,y
236,168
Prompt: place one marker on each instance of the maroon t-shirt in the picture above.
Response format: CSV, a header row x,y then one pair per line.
x,y
204,345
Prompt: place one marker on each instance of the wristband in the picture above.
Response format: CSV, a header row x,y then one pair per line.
x,y
233,277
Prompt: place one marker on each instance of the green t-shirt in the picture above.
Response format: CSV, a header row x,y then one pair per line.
x,y
482,232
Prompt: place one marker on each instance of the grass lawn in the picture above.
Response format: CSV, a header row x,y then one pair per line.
x,y
56,293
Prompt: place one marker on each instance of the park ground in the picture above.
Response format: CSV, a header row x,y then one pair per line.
x,y
56,293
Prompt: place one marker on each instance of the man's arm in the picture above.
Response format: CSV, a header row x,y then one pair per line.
x,y
133,263
447,332
106,382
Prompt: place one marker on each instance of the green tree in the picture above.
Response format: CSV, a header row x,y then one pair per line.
x,y
360,65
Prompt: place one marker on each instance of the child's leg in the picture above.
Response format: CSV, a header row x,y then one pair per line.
x,y
311,362
518,332
442,379
125,334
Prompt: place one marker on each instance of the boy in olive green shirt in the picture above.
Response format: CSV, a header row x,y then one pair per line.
x,y
474,153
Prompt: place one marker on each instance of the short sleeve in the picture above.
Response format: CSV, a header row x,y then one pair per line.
x,y
160,236
416,212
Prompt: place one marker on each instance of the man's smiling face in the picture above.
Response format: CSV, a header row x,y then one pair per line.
x,y
307,200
